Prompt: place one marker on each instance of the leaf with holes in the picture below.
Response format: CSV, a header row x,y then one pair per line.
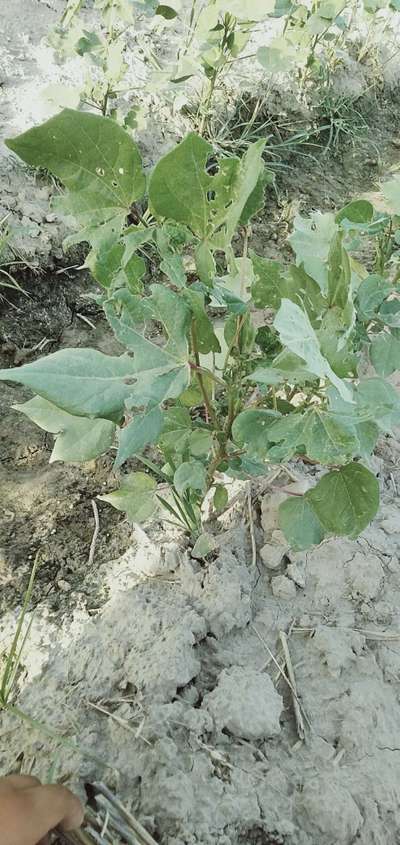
x,y
99,164
182,189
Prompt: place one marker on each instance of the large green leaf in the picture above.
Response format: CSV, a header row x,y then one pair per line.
x,y
135,497
353,419
158,373
345,500
378,400
250,430
179,185
299,523
389,313
182,189
99,164
321,434
78,439
269,285
385,354
83,382
372,291
311,241
357,211
141,431
297,334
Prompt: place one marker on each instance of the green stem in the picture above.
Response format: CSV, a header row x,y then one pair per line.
x,y
207,401
206,105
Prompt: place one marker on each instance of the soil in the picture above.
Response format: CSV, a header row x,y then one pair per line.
x,y
198,731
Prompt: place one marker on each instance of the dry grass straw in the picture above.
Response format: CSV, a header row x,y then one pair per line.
x,y
109,824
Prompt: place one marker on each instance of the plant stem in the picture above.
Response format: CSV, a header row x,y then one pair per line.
x,y
207,102
207,401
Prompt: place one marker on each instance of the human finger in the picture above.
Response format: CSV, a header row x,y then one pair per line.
x,y
49,807
19,781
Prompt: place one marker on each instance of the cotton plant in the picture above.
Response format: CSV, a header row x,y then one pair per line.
x,y
233,363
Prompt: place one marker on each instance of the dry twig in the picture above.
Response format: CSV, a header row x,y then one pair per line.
x,y
95,533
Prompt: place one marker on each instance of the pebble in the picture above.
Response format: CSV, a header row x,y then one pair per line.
x,y
296,573
272,555
283,588
65,586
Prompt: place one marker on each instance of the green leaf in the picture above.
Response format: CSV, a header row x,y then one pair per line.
x,y
181,189
305,291
311,242
358,211
279,56
179,185
246,182
166,11
270,283
99,164
346,500
83,382
205,264
321,434
172,266
255,202
350,416
297,333
372,291
176,431
206,337
135,497
158,373
250,430
389,313
385,354
140,432
78,439
200,442
299,523
204,545
378,400
191,475
220,498
339,274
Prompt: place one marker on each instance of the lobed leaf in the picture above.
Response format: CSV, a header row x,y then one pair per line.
x,y
78,439
83,382
297,334
135,497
